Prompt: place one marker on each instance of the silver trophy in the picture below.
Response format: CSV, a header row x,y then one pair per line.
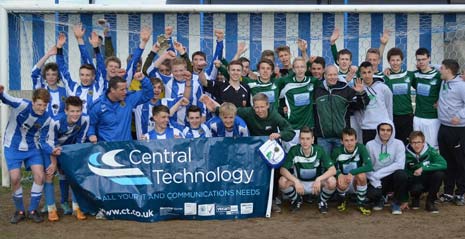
x,y
163,43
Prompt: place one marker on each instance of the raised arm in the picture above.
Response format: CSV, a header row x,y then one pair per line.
x,y
218,54
64,71
79,32
37,80
333,40
147,68
241,49
131,69
383,41
302,44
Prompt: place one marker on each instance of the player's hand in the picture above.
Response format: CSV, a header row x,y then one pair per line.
x,y
276,71
285,110
316,187
184,101
418,172
169,55
93,139
79,31
241,48
155,47
252,76
94,40
334,36
387,72
138,76
217,63
61,40
274,136
144,137
202,63
404,206
455,120
56,151
435,105
2,88
219,34
179,48
145,33
349,178
209,103
302,44
121,72
187,76
385,37
52,51
358,86
299,187
168,31
51,169
312,59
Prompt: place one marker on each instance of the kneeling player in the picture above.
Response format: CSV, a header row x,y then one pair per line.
x,y
27,120
307,170
228,124
161,116
195,128
352,161
425,169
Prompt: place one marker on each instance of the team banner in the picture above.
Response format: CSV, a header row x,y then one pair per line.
x,y
214,178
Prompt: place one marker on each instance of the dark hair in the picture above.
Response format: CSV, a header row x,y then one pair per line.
x,y
366,64
193,109
74,101
379,126
306,129
452,65
344,52
199,53
348,132
114,59
244,59
320,60
160,108
416,134
155,80
395,52
88,67
41,94
51,66
267,61
422,51
113,82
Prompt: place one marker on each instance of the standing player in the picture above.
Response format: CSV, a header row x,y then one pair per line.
x,y
307,170
451,136
352,162
28,120
48,78
427,82
69,128
400,83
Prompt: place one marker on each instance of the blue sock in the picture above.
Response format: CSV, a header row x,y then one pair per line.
x,y
36,194
64,189
49,194
18,199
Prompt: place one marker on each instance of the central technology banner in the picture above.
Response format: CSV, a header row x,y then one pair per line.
x,y
214,178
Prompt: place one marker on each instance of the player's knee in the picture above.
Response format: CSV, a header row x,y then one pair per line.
x,y
39,178
331,183
283,182
360,179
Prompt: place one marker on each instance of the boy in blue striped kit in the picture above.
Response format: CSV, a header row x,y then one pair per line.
x,y
27,122
69,128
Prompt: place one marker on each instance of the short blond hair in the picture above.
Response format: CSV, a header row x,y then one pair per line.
x,y
227,108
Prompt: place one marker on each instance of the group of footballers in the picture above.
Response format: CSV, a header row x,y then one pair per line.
x,y
348,130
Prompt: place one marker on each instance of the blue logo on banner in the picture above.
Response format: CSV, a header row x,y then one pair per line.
x,y
116,173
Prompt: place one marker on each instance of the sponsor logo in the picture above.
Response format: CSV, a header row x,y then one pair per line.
x,y
115,171
190,208
247,208
207,210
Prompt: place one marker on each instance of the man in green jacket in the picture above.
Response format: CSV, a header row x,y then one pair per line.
x,y
425,169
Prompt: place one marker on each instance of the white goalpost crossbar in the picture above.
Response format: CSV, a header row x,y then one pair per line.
x,y
95,8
